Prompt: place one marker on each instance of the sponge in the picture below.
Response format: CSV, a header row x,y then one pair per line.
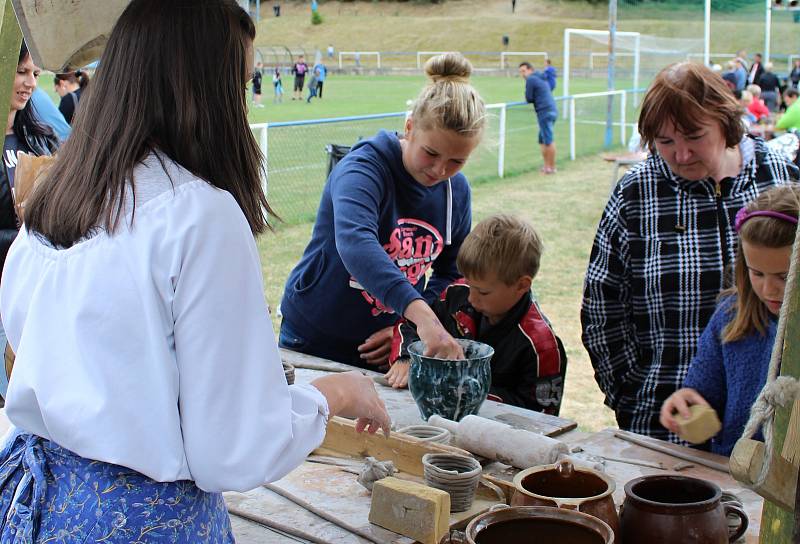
x,y
410,509
702,425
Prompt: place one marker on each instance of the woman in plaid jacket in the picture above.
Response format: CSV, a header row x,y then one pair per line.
x,y
666,240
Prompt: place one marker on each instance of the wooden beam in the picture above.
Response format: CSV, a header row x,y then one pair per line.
x,y
406,452
10,40
747,459
777,525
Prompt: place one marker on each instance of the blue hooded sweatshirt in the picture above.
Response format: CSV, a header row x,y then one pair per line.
x,y
378,231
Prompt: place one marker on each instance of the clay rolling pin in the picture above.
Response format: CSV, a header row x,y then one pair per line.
x,y
498,441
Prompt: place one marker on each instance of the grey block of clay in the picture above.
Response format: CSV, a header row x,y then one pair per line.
x,y
410,509
702,425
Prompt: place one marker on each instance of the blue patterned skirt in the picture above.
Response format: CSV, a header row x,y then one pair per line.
x,y
49,494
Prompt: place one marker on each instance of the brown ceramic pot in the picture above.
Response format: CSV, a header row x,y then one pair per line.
x,y
564,486
671,508
517,525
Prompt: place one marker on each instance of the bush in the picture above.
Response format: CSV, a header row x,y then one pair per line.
x,y
316,18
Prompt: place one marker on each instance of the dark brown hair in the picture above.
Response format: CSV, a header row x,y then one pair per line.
x,y
503,245
689,94
751,314
80,77
172,79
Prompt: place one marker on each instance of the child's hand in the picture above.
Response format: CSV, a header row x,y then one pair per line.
x,y
678,405
398,374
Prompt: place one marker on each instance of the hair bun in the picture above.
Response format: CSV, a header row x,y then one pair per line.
x,y
448,67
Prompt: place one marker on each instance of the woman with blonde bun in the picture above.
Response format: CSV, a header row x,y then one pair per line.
x,y
393,208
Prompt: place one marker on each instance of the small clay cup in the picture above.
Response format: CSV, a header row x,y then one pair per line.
x,y
564,486
288,371
526,524
457,474
450,388
663,509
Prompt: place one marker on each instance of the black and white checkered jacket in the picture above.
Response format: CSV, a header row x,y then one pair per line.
x,y
656,268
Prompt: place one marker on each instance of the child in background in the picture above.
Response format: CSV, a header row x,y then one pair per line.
x,y
757,107
277,85
730,367
499,260
312,86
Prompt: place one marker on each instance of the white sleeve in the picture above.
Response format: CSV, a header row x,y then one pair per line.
x,y
242,425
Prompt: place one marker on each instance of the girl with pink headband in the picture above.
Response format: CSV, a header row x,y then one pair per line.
x,y
730,366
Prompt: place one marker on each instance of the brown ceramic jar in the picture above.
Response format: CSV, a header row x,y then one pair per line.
x,y
671,508
564,486
518,525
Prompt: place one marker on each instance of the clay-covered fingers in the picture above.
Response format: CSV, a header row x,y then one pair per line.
x,y
364,404
444,346
677,405
397,376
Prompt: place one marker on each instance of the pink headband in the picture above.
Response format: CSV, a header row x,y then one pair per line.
x,y
743,215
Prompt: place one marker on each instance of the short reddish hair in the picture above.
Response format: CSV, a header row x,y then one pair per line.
x,y
690,94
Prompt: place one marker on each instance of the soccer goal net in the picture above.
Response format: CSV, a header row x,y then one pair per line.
x,y
371,59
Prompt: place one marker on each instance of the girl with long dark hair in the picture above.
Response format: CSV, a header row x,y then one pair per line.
x,y
147,377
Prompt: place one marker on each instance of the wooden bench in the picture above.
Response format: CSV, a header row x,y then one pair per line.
x,y
623,159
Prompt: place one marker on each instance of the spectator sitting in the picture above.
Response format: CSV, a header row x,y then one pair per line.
x,y
729,75
770,87
790,119
757,106
794,75
748,118
499,260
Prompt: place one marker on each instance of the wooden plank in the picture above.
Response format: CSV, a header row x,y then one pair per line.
x,y
405,451
10,40
779,487
778,523
404,411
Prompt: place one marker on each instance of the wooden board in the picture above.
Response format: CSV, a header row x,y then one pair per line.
x,y
404,410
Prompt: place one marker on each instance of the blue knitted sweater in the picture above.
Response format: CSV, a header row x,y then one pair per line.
x,y
730,375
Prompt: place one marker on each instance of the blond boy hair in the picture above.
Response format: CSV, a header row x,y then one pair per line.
x,y
503,245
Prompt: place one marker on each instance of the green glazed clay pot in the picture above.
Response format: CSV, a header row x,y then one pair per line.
x,y
450,388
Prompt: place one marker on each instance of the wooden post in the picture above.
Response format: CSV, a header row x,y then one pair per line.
x,y
777,525
10,39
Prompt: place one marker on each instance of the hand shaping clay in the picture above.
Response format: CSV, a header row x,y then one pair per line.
x,y
702,425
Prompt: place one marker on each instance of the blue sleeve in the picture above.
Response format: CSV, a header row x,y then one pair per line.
x,y
445,270
357,192
48,113
530,93
707,371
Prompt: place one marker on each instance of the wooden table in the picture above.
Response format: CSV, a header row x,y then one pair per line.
x,y
334,490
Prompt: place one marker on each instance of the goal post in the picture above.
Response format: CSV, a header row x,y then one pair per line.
x,y
358,55
569,32
526,54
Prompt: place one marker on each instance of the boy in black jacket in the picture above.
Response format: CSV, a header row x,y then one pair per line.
x,y
493,305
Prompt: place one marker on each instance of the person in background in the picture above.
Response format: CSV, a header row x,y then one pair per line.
x,y
299,70
730,366
258,76
770,88
757,106
538,93
755,71
312,86
494,305
49,114
395,207
549,74
794,75
330,51
740,72
321,71
667,239
791,117
69,87
277,85
128,423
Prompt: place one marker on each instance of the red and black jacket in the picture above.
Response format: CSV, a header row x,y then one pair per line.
x,y
529,360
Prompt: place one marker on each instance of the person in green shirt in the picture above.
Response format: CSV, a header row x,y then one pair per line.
x,y
790,119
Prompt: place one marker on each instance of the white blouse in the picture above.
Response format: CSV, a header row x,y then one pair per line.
x,y
153,348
